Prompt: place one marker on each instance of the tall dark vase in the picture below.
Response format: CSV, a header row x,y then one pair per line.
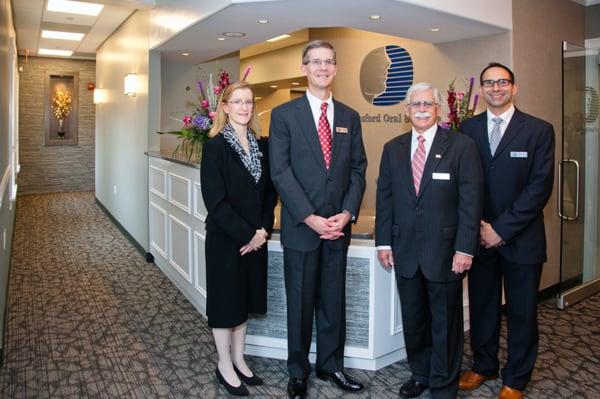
x,y
61,132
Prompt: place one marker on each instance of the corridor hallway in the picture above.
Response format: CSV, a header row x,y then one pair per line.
x,y
87,317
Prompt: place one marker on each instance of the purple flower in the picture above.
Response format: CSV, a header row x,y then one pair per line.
x,y
201,122
445,125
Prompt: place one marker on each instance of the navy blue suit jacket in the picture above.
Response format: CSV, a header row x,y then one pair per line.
x,y
518,183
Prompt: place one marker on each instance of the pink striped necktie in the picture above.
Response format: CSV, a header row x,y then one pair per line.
x,y
418,163
324,132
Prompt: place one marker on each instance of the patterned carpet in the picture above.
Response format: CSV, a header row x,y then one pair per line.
x,y
89,318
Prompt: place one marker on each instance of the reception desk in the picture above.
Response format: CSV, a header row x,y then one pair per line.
x,y
177,218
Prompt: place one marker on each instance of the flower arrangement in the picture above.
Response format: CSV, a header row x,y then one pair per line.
x,y
198,122
459,105
61,106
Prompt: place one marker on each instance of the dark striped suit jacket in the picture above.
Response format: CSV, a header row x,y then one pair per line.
x,y
426,230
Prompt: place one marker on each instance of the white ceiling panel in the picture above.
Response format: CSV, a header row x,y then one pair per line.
x,y
56,44
109,20
66,18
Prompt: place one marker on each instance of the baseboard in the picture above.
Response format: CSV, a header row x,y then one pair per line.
x,y
4,324
147,255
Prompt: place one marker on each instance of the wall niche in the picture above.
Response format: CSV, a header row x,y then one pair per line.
x,y
61,108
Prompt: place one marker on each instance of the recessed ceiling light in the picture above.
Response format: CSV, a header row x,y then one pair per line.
x,y
273,86
185,54
276,38
233,35
375,17
257,98
220,38
263,21
74,7
295,83
53,34
435,29
49,51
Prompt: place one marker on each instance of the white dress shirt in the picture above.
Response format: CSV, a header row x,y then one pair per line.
x,y
506,117
315,107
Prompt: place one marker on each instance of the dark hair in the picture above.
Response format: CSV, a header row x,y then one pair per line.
x,y
316,44
497,65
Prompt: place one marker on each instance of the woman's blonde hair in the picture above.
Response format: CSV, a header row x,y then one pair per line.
x,y
221,118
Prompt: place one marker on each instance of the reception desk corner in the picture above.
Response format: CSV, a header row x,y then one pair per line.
x,y
177,215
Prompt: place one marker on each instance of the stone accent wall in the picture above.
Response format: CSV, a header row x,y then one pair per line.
x,y
54,168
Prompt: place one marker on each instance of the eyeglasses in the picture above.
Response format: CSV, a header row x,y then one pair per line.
x,y
238,102
418,104
500,82
319,62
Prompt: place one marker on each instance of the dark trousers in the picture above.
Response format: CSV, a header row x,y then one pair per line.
x,y
521,283
432,319
315,285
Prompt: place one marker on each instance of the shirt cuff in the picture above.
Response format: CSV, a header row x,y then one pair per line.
x,y
383,247
465,254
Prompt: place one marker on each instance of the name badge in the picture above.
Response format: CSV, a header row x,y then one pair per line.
x,y
518,154
339,129
440,176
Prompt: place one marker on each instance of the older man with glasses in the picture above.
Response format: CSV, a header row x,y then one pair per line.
x,y
429,202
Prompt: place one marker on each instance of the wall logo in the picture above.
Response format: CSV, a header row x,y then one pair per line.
x,y
386,74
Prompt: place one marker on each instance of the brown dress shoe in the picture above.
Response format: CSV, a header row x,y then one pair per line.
x,y
510,393
471,380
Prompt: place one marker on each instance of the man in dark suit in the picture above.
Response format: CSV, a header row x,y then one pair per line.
x,y
517,152
429,201
318,165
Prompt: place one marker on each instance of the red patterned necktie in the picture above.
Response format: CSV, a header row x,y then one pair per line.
x,y
324,132
418,163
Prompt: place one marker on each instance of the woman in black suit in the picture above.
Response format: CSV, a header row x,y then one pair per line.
x,y
240,199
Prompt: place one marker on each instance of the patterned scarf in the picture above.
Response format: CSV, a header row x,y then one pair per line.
x,y
252,159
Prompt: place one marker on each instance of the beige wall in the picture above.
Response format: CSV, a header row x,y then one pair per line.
x,y
54,168
437,64
537,53
122,127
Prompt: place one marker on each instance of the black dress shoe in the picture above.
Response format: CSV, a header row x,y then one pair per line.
x,y
254,380
296,388
235,391
341,380
411,389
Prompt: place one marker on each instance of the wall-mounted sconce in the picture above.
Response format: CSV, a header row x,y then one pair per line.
x,y
99,96
130,85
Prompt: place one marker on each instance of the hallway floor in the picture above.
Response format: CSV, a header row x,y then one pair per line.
x,y
87,317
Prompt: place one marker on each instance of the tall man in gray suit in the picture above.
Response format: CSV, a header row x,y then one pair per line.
x,y
318,165
429,202
517,152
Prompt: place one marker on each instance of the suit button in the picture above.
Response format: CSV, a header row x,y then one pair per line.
x,y
417,209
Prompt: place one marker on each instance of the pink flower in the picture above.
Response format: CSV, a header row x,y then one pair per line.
x,y
460,95
217,89
212,114
205,104
187,120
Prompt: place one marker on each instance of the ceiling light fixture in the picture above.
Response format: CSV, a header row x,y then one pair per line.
x,y
273,86
49,51
435,29
233,35
53,34
74,7
295,83
375,17
185,54
263,21
257,98
220,38
277,38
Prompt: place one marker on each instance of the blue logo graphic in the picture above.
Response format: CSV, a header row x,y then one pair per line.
x,y
386,74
